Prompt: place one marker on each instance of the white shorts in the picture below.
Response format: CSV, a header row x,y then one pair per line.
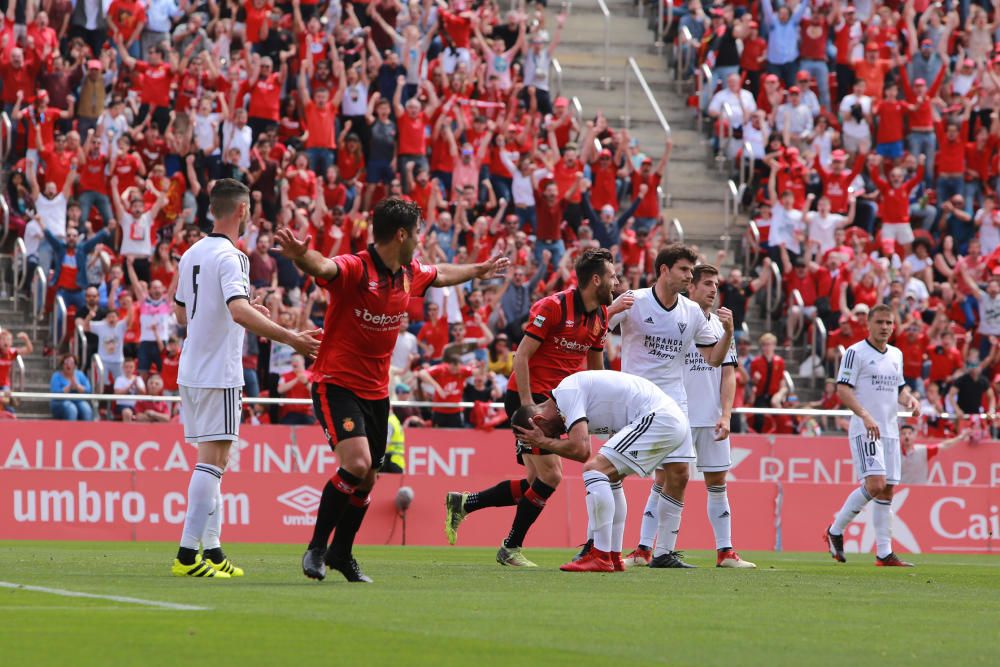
x,y
211,414
713,455
643,445
880,457
897,231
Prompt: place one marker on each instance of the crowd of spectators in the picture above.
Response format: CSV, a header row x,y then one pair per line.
x,y
872,128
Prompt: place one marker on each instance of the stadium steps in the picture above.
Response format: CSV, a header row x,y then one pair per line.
x,y
38,368
694,186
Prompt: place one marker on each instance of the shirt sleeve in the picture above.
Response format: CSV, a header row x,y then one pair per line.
x,y
705,336
619,317
234,277
180,294
571,404
349,267
849,368
424,276
731,358
541,319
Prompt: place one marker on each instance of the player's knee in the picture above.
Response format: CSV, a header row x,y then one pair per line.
x,y
677,477
874,486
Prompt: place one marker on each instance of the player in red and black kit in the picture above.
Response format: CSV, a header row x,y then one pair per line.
x,y
565,333
370,292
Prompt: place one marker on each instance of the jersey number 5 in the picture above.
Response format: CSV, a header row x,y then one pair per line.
x,y
194,287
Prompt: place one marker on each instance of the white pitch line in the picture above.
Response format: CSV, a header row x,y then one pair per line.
x,y
114,598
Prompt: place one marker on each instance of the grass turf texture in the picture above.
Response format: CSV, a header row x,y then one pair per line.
x,y
441,606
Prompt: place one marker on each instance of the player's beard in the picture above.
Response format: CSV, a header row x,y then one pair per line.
x,y
605,295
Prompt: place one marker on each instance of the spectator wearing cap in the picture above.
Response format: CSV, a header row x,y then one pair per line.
x,y
926,62
536,63
804,82
40,121
754,56
794,119
93,96
855,118
847,35
921,137
815,34
836,182
722,44
696,22
783,39
872,70
647,215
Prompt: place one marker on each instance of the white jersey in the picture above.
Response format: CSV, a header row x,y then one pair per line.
x,y
705,382
110,340
608,400
136,234
212,273
656,338
877,378
989,314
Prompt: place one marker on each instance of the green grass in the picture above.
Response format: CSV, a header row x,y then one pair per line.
x,y
434,606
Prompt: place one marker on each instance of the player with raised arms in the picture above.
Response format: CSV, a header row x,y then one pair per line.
x,y
369,294
565,332
213,301
870,384
657,332
645,426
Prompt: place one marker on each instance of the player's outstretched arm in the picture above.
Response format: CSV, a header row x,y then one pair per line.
x,y
456,274
309,261
247,316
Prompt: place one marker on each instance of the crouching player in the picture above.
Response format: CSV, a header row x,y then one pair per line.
x,y
646,427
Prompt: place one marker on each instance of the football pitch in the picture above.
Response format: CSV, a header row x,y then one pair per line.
x,y
441,606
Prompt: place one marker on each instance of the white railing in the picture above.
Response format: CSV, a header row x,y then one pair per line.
x,y
773,296
731,209
39,290
704,79
98,374
676,230
79,346
751,247
787,377
724,134
681,54
632,69
4,220
49,396
5,135
18,374
796,300
578,110
606,79
58,326
556,68
660,26
747,159
819,344
19,267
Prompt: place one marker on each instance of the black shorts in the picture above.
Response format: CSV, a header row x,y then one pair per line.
x,y
511,402
349,416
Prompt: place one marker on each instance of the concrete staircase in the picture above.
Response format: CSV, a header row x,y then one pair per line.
x,y
38,368
695,188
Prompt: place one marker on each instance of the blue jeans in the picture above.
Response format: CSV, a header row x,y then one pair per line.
x,y
948,187
526,215
90,199
557,248
785,71
818,70
73,299
719,75
644,224
973,191
924,143
251,385
72,411
319,160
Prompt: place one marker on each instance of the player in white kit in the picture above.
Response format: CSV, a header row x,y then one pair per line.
x,y
213,301
657,331
713,391
645,426
870,384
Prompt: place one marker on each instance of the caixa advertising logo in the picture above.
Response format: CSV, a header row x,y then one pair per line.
x,y
304,499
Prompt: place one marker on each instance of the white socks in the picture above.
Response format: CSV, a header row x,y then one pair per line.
x,y
203,493
718,516
852,507
600,508
669,524
882,520
213,531
621,512
650,517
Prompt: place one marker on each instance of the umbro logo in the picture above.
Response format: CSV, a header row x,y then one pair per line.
x,y
373,285
649,320
682,326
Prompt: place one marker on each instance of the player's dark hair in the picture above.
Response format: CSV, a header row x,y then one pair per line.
x,y
903,427
522,416
672,254
592,262
392,214
702,271
226,194
878,310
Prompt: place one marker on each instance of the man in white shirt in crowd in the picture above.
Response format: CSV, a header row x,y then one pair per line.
x,y
741,105
794,118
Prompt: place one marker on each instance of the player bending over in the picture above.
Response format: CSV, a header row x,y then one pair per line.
x,y
870,384
213,301
646,426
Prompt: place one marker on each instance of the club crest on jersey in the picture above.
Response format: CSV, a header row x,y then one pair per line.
x,y
348,424
539,320
596,329
682,326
